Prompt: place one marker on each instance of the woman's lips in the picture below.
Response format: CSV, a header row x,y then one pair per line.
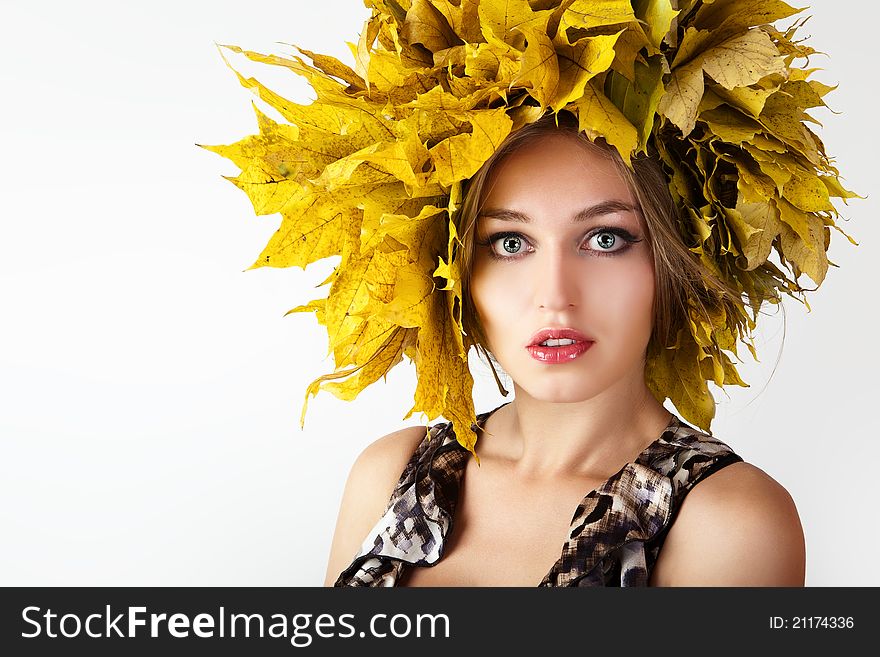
x,y
561,354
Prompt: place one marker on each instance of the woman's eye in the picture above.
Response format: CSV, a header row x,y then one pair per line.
x,y
603,241
510,244
608,241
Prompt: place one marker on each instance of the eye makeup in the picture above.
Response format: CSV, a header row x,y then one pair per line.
x,y
612,241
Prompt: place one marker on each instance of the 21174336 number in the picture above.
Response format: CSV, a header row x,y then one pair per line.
x,y
811,622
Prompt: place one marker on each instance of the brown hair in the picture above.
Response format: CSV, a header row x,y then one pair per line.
x,y
679,276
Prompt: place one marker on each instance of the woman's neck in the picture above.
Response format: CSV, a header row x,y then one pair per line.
x,y
592,438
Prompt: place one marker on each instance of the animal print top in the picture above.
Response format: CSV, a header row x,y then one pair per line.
x,y
615,535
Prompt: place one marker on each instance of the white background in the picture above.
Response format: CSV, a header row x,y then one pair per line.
x,y
150,390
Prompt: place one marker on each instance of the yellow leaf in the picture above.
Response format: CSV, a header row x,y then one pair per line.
x,y
275,144
729,125
676,374
505,19
627,51
492,60
806,191
743,60
579,63
682,184
411,231
314,306
444,382
438,99
832,184
323,84
403,159
753,186
658,14
385,71
747,99
333,67
727,16
803,94
770,166
692,44
756,226
389,354
638,100
539,71
819,88
411,299
682,98
383,202
700,224
287,109
807,259
450,270
361,51
599,117
460,157
782,118
462,16
795,219
721,370
311,232
386,356
587,14
426,25
354,338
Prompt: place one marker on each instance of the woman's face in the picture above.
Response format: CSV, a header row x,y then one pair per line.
x,y
570,250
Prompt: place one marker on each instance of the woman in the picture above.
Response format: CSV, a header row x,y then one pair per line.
x,y
496,175
563,242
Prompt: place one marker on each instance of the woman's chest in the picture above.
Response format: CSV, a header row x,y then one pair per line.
x,y
503,533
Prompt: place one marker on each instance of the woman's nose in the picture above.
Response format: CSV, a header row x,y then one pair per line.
x,y
556,283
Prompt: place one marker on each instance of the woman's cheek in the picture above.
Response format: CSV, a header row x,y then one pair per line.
x,y
486,297
641,295
624,296
495,302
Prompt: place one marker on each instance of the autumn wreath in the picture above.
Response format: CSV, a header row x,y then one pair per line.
x,y
373,169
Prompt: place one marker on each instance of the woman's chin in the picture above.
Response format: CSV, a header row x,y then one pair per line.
x,y
567,391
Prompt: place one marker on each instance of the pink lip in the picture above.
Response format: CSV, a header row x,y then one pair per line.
x,y
557,333
561,354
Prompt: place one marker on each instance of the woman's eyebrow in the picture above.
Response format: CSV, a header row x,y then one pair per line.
x,y
605,207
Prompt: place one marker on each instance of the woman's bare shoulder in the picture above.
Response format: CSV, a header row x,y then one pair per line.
x,y
737,527
389,454
369,486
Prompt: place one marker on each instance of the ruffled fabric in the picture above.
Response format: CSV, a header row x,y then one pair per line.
x,y
616,531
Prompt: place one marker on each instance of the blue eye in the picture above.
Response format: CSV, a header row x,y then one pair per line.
x,y
509,243
604,240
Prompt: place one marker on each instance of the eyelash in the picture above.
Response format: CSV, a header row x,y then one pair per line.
x,y
627,237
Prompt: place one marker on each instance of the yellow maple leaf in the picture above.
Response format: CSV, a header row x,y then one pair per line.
x,y
684,91
638,99
425,24
460,156
506,19
676,373
588,14
742,60
659,16
599,117
756,226
580,62
539,70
